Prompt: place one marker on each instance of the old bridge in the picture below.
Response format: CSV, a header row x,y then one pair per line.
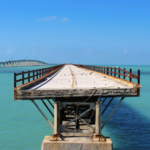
x,y
77,94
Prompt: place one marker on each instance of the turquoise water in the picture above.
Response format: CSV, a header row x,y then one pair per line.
x,y
22,127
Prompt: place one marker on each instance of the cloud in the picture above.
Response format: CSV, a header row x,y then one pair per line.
x,y
125,51
47,18
65,19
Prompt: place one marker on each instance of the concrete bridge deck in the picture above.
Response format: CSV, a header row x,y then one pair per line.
x,y
73,81
72,77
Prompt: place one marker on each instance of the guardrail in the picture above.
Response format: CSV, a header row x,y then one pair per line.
x,y
116,72
32,75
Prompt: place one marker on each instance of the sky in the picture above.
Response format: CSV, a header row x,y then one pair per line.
x,y
113,32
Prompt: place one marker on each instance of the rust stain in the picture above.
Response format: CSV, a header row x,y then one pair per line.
x,y
56,137
99,137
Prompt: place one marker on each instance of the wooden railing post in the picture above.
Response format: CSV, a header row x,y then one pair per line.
x,y
22,77
14,79
33,74
114,72
124,74
42,72
111,71
138,76
28,76
37,74
107,70
119,72
130,76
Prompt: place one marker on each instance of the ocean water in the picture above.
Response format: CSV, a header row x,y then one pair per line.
x,y
22,127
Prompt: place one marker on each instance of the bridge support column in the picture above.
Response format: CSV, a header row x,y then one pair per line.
x,y
77,125
56,136
98,136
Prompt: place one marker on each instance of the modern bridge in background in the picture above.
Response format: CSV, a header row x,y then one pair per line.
x,y
16,63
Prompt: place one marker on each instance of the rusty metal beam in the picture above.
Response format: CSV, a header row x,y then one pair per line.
x,y
78,117
112,113
43,114
47,107
104,100
50,103
107,105
86,123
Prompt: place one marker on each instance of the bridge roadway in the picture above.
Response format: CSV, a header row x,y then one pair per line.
x,y
71,81
72,77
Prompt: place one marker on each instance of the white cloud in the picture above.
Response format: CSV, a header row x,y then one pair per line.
x,y
65,19
125,51
47,18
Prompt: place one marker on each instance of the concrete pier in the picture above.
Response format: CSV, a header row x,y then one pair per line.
x,y
76,143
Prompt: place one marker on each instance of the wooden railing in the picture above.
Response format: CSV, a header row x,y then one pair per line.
x,y
116,72
32,75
